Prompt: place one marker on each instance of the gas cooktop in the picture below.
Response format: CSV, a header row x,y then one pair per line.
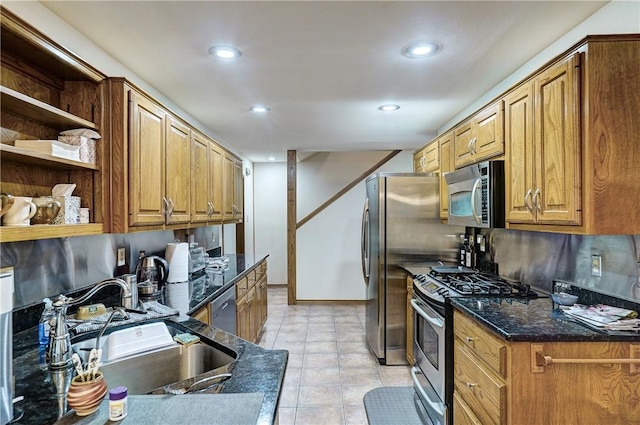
x,y
449,281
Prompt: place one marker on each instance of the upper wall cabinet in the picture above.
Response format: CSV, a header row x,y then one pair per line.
x,y
44,90
151,162
447,165
572,151
479,138
543,150
427,159
233,189
206,180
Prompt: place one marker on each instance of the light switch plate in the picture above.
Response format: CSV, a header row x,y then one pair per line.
x,y
596,265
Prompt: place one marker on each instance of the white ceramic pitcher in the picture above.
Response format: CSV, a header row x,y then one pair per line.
x,y
20,212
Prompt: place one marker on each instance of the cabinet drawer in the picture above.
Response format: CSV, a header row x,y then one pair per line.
x,y
462,414
483,390
487,347
242,286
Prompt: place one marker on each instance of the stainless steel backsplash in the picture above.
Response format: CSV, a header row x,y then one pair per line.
x,y
49,267
538,258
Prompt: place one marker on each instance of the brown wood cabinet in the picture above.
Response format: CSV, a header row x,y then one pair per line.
x,y
251,302
44,90
206,180
410,357
479,138
571,134
233,189
498,382
543,153
203,314
427,159
447,165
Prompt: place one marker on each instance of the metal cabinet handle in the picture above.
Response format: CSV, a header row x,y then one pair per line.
x,y
475,140
469,339
469,149
471,384
528,204
536,201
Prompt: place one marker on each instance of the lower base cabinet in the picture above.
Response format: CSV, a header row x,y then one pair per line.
x,y
203,314
499,382
251,303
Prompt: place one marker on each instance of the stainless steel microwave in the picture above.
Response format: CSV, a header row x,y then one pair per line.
x,y
476,195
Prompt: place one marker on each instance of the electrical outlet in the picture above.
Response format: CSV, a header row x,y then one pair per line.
x,y
121,254
596,265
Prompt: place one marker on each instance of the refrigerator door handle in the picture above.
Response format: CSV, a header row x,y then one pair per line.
x,y
364,240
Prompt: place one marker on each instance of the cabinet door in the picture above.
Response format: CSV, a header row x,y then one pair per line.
x,y
238,191
261,302
446,166
519,161
146,163
216,182
228,188
432,157
418,160
462,145
558,156
202,314
488,138
244,316
200,179
178,174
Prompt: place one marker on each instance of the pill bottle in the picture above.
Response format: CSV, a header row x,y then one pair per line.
x,y
117,403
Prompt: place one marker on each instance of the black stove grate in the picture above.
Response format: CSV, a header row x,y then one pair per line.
x,y
479,283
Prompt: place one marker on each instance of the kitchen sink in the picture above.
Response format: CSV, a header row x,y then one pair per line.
x,y
147,371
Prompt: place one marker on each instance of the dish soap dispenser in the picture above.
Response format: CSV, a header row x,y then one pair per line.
x,y
44,328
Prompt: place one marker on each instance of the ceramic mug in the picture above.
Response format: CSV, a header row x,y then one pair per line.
x,y
6,201
20,212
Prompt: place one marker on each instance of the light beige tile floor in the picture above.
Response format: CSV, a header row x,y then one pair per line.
x,y
330,368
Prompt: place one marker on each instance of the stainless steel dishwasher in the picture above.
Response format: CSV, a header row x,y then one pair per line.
x,y
223,311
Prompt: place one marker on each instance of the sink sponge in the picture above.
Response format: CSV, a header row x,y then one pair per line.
x,y
186,339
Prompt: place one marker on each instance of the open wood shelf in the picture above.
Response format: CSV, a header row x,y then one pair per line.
x,y
47,231
41,112
12,153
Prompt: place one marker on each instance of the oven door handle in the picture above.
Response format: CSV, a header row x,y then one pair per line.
x,y
435,405
435,321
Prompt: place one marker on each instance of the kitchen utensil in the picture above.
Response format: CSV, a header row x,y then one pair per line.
x,y
20,212
563,298
85,396
152,269
77,363
6,201
92,363
184,390
47,209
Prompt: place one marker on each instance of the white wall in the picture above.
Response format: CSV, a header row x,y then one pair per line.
x,y
328,246
270,223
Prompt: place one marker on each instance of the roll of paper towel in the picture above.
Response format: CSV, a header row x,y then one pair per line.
x,y
177,256
177,296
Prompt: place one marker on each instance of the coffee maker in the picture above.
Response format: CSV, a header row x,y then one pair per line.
x,y
6,350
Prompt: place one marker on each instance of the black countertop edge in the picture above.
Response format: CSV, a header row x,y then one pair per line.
x,y
203,296
256,370
534,320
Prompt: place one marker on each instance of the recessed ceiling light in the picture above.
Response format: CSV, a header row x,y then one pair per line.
x,y
259,108
420,49
225,52
389,107
272,158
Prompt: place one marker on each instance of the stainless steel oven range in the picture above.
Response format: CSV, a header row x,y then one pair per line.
x,y
433,329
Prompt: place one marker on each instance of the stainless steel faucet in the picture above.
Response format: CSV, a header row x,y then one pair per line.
x,y
116,310
59,354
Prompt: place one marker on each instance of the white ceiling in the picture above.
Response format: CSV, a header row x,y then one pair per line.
x,y
323,67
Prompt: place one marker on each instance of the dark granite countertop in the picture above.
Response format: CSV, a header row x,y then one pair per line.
x,y
533,320
209,289
256,369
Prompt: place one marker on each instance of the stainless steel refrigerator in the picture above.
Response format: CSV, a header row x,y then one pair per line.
x,y
400,226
